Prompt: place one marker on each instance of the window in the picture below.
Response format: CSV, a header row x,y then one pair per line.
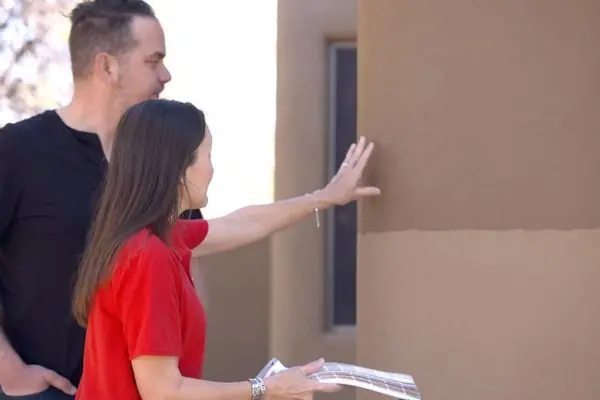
x,y
342,226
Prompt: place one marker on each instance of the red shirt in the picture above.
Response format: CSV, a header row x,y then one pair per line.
x,y
149,307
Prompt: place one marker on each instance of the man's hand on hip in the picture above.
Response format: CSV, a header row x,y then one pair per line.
x,y
35,379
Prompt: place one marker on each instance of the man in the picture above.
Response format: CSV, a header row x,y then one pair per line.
x,y
51,169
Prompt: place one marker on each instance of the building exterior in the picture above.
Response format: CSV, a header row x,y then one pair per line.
x,y
477,269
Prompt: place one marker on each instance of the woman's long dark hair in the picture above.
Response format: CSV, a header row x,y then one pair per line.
x,y
155,143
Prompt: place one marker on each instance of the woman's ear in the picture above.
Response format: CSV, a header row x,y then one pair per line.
x,y
184,189
183,180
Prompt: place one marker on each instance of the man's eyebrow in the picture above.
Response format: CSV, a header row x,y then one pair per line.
x,y
159,55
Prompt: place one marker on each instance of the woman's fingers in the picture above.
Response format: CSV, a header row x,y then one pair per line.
x,y
364,158
312,367
328,387
355,154
367,191
349,155
345,185
358,150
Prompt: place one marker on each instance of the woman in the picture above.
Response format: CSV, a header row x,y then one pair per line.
x,y
145,324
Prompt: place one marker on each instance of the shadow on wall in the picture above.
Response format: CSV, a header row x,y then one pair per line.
x,y
235,286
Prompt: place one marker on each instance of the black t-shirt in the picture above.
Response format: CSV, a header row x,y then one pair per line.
x,y
50,177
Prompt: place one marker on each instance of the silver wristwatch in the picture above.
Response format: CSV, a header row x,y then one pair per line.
x,y
258,388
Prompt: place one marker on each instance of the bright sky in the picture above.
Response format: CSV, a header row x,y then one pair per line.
x,y
222,55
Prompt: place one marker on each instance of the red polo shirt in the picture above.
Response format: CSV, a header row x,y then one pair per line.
x,y
148,308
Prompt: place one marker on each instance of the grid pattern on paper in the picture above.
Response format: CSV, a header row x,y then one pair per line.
x,y
403,385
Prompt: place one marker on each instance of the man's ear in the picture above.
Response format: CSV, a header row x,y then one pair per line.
x,y
106,67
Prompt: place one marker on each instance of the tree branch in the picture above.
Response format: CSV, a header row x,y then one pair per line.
x,y
18,87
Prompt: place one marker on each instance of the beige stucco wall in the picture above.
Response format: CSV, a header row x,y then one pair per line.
x,y
269,299
478,268
235,289
478,265
483,314
298,271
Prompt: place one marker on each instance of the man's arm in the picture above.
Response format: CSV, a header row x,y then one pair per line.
x,y
17,378
10,191
10,362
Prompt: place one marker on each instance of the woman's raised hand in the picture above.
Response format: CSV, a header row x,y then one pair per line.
x,y
346,186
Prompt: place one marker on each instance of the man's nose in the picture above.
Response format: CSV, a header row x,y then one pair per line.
x,y
165,76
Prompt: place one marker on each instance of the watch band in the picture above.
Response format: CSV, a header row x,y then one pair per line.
x,y
258,388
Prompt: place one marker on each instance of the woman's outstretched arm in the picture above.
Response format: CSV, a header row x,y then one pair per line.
x,y
253,223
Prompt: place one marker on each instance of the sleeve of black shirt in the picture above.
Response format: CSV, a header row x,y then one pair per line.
x,y
192,214
10,181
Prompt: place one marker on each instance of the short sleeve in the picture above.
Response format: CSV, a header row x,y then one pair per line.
x,y
192,232
147,295
10,182
196,213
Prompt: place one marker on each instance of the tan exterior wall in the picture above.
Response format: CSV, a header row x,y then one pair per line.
x,y
235,289
256,312
478,265
298,321
483,314
478,268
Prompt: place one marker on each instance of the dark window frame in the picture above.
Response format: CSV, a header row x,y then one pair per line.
x,y
341,221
